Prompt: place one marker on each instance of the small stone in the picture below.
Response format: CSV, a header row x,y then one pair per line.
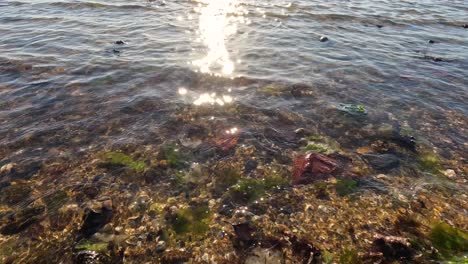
x,y
7,168
431,41
465,26
119,42
323,39
250,166
450,173
379,26
160,246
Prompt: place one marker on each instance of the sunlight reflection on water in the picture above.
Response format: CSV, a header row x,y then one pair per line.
x,y
217,22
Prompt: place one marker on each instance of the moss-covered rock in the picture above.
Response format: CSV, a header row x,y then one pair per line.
x,y
430,162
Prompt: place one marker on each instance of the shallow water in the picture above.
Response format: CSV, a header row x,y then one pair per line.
x,y
197,73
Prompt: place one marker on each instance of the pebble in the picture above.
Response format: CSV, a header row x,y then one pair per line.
x,y
119,42
450,173
161,246
431,41
7,168
465,26
379,26
323,39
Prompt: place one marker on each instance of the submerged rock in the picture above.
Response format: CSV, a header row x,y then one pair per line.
x,y
382,162
392,248
323,39
97,215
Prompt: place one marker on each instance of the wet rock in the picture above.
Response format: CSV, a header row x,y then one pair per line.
x,y
119,42
305,250
160,246
465,26
250,166
7,168
323,39
244,232
311,167
352,109
431,41
379,26
97,214
432,58
382,162
392,248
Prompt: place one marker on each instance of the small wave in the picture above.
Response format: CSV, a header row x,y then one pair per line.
x,y
95,5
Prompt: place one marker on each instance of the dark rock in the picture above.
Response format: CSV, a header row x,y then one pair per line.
x,y
119,42
465,26
432,58
250,166
382,162
392,248
305,250
323,39
379,26
96,216
244,232
431,41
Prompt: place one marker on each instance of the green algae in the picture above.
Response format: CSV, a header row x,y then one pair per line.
x,y
226,178
247,190
327,257
171,154
89,245
349,257
449,240
346,186
430,162
193,220
123,160
320,144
